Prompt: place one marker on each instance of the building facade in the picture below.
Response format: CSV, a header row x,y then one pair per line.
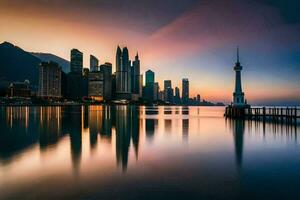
x,y
19,89
123,74
94,63
49,80
168,91
149,86
76,62
185,91
106,69
96,85
135,75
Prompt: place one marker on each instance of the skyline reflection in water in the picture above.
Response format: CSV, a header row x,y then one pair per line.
x,y
90,151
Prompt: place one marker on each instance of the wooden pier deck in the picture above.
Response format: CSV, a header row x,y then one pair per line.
x,y
288,114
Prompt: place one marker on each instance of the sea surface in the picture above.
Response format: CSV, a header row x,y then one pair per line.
x,y
130,152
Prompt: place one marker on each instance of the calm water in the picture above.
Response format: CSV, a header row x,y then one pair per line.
x,y
127,152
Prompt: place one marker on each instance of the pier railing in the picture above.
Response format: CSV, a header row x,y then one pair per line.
x,y
275,113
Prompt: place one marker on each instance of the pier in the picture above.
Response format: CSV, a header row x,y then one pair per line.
x,y
287,114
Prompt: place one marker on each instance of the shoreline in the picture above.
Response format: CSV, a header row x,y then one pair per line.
x,y
101,104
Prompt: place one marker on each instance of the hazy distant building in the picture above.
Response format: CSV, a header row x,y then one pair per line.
x,y
156,91
198,98
185,91
49,80
96,85
161,96
76,61
106,69
169,95
19,89
123,74
94,63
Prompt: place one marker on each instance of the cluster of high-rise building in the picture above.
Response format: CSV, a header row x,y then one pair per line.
x,y
100,84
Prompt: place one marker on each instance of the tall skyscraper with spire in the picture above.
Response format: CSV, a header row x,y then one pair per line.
x,y
123,74
238,94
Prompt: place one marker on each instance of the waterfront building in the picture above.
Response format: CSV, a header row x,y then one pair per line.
x,y
185,91
19,89
76,61
95,90
123,74
149,87
49,80
106,69
238,94
94,63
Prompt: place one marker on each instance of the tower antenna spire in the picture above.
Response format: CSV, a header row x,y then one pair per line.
x,y
237,54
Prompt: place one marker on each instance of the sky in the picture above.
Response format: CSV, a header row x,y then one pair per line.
x,y
177,39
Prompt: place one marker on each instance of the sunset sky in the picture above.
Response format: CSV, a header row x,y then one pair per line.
x,y
196,39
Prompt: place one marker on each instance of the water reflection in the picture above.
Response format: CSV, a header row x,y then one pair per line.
x,y
270,131
95,142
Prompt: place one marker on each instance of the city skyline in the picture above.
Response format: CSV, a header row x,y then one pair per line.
x,y
268,43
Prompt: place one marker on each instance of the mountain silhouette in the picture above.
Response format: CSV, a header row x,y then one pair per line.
x,y
65,64
17,64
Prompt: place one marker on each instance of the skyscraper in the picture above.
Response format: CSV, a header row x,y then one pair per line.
x,y
49,80
149,88
167,83
168,91
150,77
177,96
106,69
123,74
76,84
76,61
185,91
94,63
135,78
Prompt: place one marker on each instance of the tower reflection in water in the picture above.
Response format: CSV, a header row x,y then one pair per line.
x,y
242,129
